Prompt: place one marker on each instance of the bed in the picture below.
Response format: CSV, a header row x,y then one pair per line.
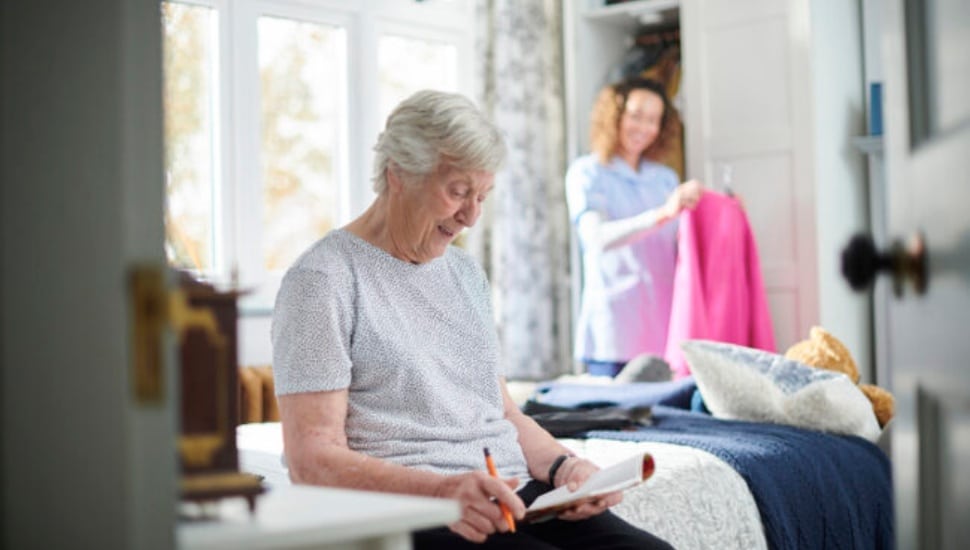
x,y
718,483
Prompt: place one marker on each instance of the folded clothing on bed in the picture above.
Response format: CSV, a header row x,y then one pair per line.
x,y
813,490
676,393
572,422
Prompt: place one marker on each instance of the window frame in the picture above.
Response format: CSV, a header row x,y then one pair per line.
x,y
237,253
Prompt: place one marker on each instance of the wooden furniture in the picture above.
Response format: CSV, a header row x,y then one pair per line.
x,y
205,319
257,395
301,516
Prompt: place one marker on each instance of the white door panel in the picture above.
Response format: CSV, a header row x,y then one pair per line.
x,y
743,86
928,170
84,463
746,77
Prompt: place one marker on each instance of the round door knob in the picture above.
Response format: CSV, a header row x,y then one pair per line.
x,y
862,262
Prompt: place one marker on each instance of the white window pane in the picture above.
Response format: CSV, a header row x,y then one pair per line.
x,y
406,65
189,34
302,75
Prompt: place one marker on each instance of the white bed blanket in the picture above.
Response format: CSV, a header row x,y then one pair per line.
x,y
261,452
694,500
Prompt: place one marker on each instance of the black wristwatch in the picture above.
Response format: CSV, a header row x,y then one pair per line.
x,y
555,467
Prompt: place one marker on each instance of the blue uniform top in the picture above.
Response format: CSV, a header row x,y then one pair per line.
x,y
627,290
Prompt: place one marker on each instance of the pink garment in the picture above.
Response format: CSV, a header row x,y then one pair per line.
x,y
718,290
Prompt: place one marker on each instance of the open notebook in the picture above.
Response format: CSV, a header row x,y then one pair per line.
x,y
618,477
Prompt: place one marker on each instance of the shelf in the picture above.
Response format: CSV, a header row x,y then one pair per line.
x,y
869,145
621,14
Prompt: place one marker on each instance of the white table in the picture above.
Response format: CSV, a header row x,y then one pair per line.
x,y
299,516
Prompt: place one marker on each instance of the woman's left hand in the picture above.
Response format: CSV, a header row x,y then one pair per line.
x,y
573,473
690,193
685,195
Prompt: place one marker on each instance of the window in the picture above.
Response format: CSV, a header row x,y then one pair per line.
x,y
191,56
271,110
301,72
406,64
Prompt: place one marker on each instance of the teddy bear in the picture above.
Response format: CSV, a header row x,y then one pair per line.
x,y
822,350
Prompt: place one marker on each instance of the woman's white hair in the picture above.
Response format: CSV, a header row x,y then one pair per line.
x,y
432,127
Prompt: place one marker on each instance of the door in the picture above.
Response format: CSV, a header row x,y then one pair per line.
x,y
927,63
85,462
746,87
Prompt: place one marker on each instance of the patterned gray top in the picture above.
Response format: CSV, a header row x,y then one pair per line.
x,y
414,344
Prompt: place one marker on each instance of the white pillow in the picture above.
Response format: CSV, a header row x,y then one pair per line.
x,y
750,384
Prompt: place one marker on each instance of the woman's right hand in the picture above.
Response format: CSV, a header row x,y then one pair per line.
x,y
683,196
479,494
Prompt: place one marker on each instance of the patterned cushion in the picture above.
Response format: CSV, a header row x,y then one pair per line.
x,y
749,384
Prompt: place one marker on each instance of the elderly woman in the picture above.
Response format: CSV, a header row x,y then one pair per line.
x,y
385,353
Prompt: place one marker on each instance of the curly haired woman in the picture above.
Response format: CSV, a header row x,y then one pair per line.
x,y
624,205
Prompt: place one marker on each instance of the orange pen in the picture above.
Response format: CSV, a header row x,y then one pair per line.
x,y
494,473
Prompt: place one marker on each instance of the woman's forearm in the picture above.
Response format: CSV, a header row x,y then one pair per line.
x,y
317,453
335,466
604,235
539,447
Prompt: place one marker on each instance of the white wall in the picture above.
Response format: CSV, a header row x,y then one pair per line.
x,y
872,37
840,178
255,347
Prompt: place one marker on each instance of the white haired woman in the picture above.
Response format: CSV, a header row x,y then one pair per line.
x,y
385,353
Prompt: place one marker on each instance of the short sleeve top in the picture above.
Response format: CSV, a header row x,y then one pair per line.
x,y
627,290
414,344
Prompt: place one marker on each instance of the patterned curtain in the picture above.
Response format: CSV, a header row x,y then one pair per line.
x,y
523,236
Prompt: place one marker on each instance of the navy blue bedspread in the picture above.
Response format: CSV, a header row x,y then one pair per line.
x,y
813,490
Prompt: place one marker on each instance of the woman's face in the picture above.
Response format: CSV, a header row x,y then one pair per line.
x,y
432,213
640,122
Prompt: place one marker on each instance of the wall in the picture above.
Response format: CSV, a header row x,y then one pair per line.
x,y
255,347
840,176
872,17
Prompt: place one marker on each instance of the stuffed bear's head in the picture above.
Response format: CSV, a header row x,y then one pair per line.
x,y
824,351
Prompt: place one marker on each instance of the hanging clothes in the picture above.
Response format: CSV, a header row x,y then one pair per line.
x,y
655,54
666,70
718,289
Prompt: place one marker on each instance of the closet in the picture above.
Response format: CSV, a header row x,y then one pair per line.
x,y
770,97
